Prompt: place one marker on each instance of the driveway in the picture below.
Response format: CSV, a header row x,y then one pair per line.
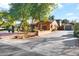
x,y
58,43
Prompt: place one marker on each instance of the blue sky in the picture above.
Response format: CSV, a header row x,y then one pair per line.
x,y
64,11
67,11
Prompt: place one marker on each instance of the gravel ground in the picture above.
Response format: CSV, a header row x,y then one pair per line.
x,y
58,43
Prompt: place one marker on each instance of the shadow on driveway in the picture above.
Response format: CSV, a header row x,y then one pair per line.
x,y
71,43
68,36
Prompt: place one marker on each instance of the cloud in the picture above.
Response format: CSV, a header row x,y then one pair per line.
x,y
73,17
4,6
69,14
60,5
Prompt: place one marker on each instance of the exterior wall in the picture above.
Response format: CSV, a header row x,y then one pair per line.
x,y
43,26
46,26
53,26
41,33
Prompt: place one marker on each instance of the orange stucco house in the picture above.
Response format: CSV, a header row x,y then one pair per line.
x,y
47,25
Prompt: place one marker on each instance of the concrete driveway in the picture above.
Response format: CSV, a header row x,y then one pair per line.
x,y
58,43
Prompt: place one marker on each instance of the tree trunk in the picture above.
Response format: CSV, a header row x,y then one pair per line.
x,y
12,29
32,26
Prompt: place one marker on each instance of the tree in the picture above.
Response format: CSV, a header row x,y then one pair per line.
x,y
1,17
6,20
51,17
40,11
20,12
1,22
37,11
73,22
65,21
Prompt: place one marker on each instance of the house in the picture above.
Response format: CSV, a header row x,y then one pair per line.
x,y
47,25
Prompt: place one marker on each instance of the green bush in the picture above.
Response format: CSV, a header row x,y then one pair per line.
x,y
76,29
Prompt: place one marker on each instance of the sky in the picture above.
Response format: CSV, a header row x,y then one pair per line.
x,y
68,11
4,6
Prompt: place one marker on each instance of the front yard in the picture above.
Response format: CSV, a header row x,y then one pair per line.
x,y
56,43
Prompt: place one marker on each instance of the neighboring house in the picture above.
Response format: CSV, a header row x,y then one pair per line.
x,y
48,25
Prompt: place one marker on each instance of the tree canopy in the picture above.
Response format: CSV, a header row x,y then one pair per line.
x,y
23,11
65,21
38,11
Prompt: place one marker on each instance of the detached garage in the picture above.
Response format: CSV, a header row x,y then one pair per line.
x,y
68,27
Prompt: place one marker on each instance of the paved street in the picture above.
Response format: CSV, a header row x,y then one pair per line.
x,y
58,43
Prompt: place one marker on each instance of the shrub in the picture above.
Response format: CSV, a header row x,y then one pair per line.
x,y
76,29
